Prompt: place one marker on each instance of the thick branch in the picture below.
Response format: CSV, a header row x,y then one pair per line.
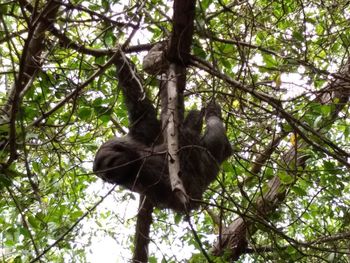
x,y
181,37
178,56
30,63
143,226
173,136
69,43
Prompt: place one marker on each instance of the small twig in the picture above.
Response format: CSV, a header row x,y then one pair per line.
x,y
24,220
198,240
73,226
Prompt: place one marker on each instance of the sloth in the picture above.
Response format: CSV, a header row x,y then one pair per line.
x,y
138,161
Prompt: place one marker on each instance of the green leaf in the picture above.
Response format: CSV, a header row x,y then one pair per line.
x,y
319,29
330,167
298,35
77,214
9,243
94,7
326,109
269,60
205,3
105,4
100,60
110,38
4,128
25,232
285,178
85,113
5,181
199,52
299,191
3,9
33,221
178,218
104,118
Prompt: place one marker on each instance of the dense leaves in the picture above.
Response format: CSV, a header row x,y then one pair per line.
x,y
280,70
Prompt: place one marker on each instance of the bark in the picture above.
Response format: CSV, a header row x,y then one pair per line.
x,y
30,64
30,61
234,235
181,37
178,55
143,225
173,137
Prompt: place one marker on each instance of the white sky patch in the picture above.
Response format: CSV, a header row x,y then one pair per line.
x,y
103,250
294,83
5,66
114,246
2,87
108,246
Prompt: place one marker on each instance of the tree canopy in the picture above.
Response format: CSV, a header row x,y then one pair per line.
x,y
280,71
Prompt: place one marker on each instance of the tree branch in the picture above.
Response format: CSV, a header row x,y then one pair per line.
x,y
30,63
173,136
143,226
235,233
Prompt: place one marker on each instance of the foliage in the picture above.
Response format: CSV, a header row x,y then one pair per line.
x,y
268,63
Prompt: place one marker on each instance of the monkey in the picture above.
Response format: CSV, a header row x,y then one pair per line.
x,y
138,160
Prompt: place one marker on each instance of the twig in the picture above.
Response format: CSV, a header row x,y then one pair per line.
x,y
73,226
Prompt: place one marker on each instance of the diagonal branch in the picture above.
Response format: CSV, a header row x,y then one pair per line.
x,y
235,234
336,152
30,63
